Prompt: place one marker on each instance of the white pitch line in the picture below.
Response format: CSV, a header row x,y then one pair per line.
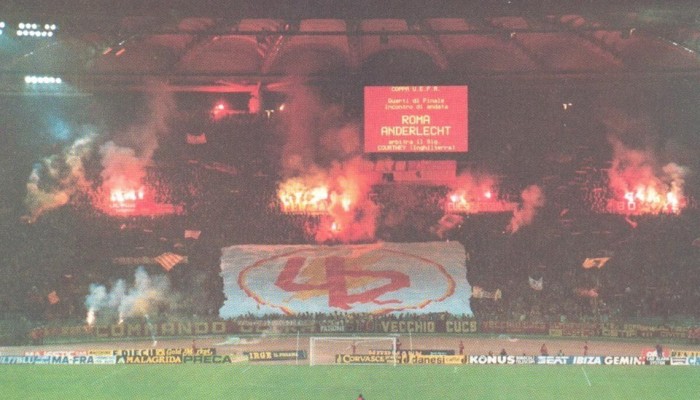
x,y
586,375
245,369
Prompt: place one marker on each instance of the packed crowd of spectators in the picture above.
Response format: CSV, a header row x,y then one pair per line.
x,y
652,269
651,272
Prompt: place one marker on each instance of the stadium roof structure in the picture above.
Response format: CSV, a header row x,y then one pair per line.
x,y
215,46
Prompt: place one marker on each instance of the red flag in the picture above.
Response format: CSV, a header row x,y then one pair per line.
x,y
196,138
192,234
53,298
587,292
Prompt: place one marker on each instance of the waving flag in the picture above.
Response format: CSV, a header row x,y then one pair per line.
x,y
196,139
479,293
53,298
169,260
595,262
192,234
583,292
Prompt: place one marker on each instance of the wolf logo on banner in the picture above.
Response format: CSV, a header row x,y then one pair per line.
x,y
337,279
536,284
376,278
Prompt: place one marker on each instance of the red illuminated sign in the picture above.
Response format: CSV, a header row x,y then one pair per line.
x,y
415,119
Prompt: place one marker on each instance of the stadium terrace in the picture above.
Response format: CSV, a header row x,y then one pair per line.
x,y
320,182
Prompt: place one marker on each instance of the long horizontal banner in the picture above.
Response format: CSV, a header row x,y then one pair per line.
x,y
574,329
524,327
277,355
176,359
247,327
205,351
58,360
408,353
364,359
417,325
417,358
580,360
684,353
404,357
446,357
375,278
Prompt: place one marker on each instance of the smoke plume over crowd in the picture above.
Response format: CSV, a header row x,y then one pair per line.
x,y
321,161
55,180
643,178
124,300
532,200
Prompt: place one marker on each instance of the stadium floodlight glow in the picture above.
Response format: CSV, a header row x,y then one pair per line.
x,y
36,30
2,26
32,79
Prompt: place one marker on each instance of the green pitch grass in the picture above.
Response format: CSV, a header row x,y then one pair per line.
x,y
262,382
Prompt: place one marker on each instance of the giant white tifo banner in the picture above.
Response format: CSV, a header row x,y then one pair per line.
x,y
372,278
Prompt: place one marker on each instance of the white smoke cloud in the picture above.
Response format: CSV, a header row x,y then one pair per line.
x,y
471,193
143,137
54,180
121,167
341,142
649,168
125,158
636,176
351,210
322,150
123,300
533,200
447,223
302,115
